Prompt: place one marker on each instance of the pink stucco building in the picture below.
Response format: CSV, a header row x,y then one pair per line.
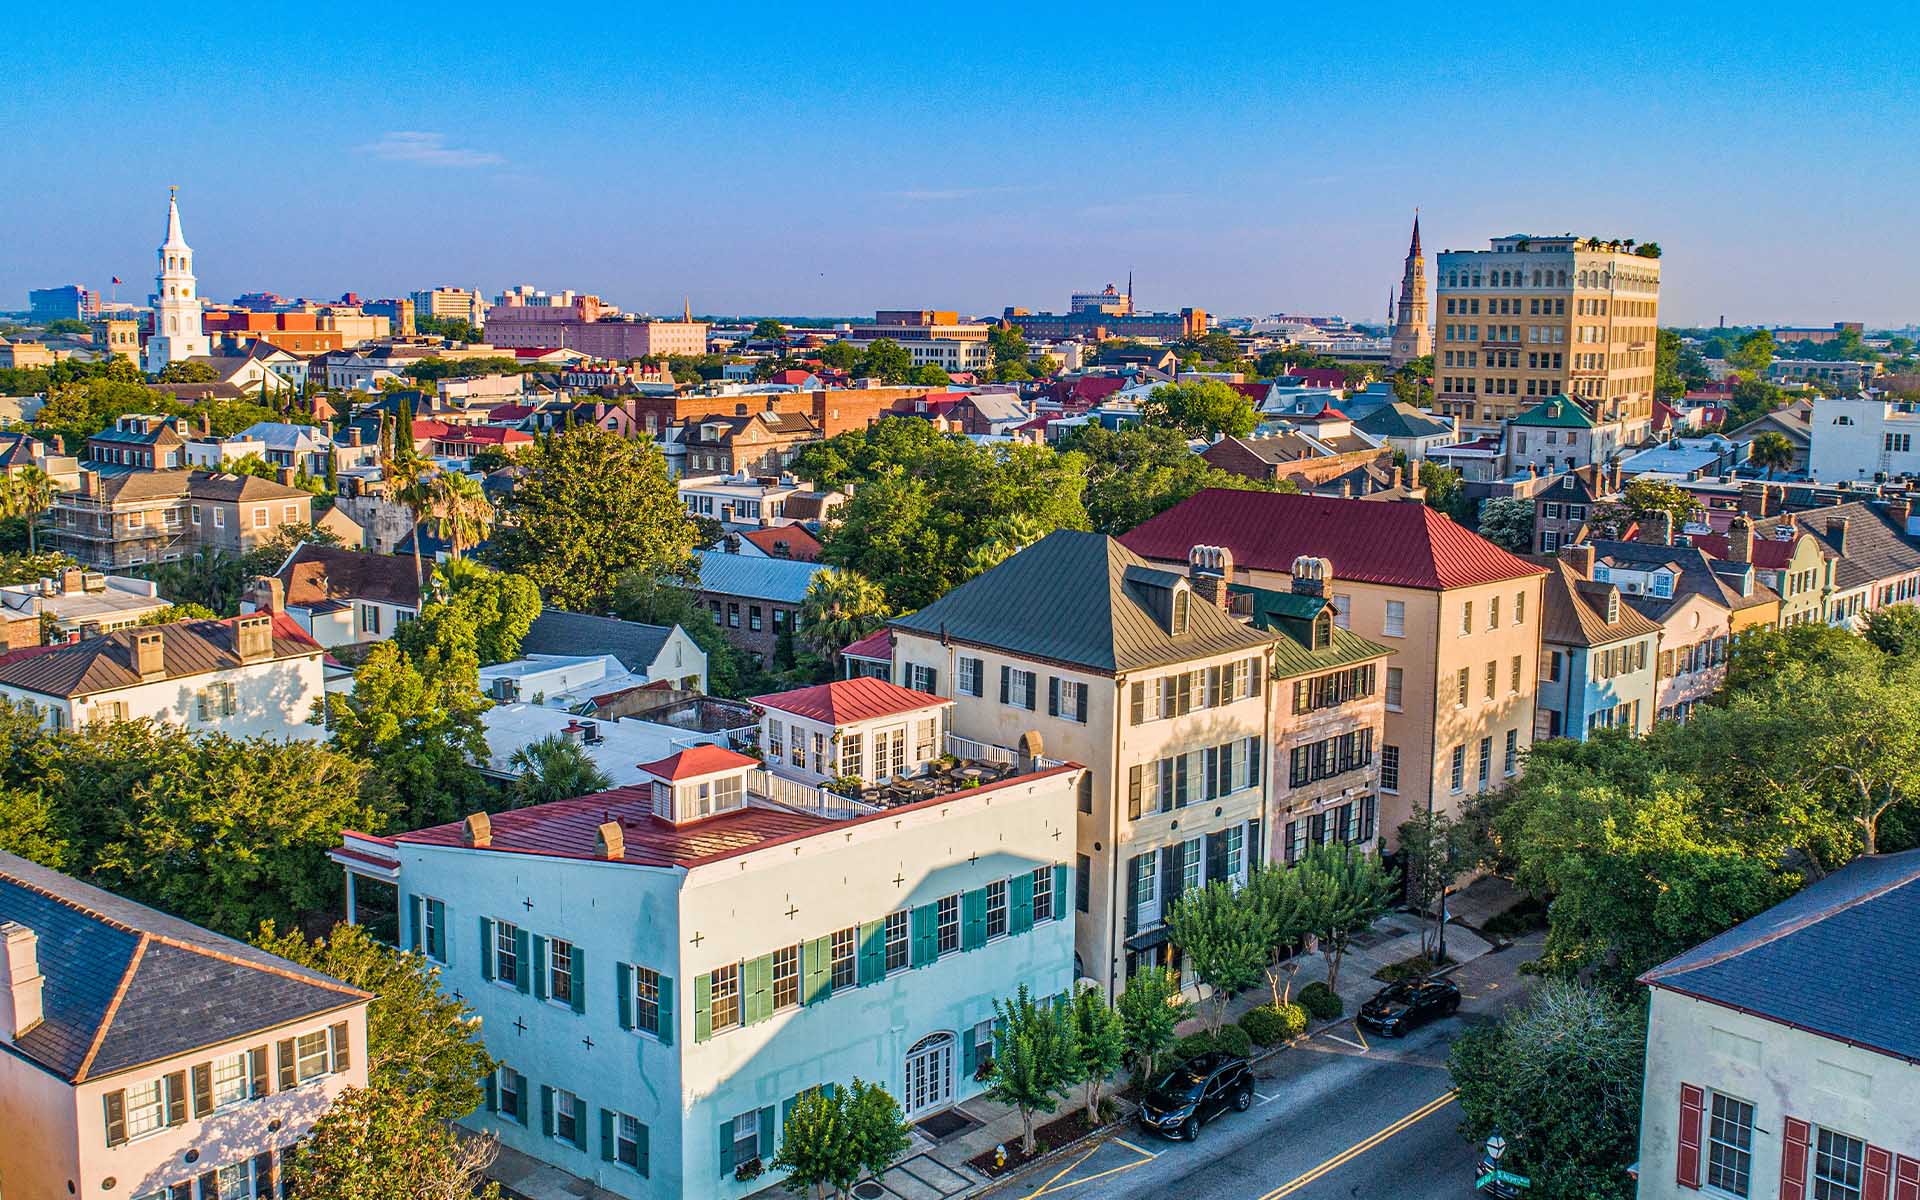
x,y
584,323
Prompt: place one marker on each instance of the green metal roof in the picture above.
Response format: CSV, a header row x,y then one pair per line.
x,y
1556,412
1292,614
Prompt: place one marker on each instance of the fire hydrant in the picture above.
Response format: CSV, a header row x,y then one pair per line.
x,y
1000,1156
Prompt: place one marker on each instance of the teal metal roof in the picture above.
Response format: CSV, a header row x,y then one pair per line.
x,y
778,579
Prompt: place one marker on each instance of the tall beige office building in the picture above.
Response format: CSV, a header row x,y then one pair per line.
x,y
1544,316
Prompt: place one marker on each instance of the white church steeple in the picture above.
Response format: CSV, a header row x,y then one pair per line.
x,y
179,330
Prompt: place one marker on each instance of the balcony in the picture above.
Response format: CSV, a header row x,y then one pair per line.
x,y
966,764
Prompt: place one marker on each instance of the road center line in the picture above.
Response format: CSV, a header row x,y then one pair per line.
x,y
1361,1147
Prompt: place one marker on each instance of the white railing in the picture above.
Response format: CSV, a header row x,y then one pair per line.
x,y
810,797
1000,756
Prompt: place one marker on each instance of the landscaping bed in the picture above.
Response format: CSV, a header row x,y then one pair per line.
x,y
1068,1127
1418,967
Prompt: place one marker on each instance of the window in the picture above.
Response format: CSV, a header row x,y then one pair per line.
x,y
725,1006
646,999
923,732
1519,608
260,518
845,962
753,617
1394,682
1042,894
1457,777
1512,760
219,518
1343,611
1190,862
776,740
970,677
786,977
922,679
627,1136
1493,676
369,619
733,615
1514,684
231,1080
566,1116
195,517
997,908
1837,1161
1486,759
1067,699
746,1137
146,1107
1082,882
853,754
1493,613
1017,687
1462,685
1389,768
1395,624
1466,618
311,1057
946,924
896,940
560,970
1730,1146
506,953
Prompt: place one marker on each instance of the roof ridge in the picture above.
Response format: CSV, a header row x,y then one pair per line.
x,y
113,1008
324,981
1791,927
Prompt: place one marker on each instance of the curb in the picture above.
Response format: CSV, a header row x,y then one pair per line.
x,y
1054,1155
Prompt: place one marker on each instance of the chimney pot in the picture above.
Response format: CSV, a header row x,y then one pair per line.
x,y
253,635
1312,577
611,842
21,984
1579,557
1740,540
1837,533
149,653
1656,528
477,831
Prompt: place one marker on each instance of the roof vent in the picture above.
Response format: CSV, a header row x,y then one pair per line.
x,y
610,843
477,831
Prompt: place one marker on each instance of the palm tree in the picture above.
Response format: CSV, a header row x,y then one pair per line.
x,y
29,492
1771,450
555,768
410,484
462,517
840,607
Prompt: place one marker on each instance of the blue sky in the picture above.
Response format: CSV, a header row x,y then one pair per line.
x,y
841,158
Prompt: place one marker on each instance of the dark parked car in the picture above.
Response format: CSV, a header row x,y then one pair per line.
x,y
1402,1006
1178,1103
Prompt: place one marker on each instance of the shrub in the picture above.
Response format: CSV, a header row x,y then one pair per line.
x,y
1192,1046
1321,1002
1270,1024
1233,1040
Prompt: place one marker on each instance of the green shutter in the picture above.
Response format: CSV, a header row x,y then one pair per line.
x,y
579,979
873,952
1020,903
624,972
606,1136
580,1111
413,919
486,948
757,982
520,1090
520,948
726,1147
702,1007
1061,881
926,932
493,1093
546,1110
642,1152
539,967
818,982
666,1011
969,1055
786,1113
766,1135
973,919
437,936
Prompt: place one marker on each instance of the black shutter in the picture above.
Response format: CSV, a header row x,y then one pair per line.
x,y
176,1085
202,1089
1133,792
1133,895
1053,695
116,1106
1166,784
1180,781
1253,846
1006,682
1137,702
1216,856
257,1072
1080,703
284,1051
1172,872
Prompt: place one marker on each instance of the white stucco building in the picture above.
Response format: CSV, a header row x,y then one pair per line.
x,y
1860,437
250,676
662,968
1783,1057
179,331
868,728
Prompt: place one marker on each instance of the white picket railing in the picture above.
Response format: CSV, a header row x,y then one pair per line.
x,y
811,797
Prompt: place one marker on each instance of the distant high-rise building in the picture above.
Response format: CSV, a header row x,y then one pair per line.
x,y
1534,317
451,304
69,303
179,329
1110,300
1412,331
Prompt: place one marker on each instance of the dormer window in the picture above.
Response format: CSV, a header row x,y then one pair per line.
x,y
1663,583
1182,603
1323,629
1603,574
1613,608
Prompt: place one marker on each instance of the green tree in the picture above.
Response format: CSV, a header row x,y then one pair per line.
x,y
27,492
1753,354
1771,451
1228,939
833,1137
1677,367
1446,491
30,827
461,514
1560,1078
1151,1009
588,507
417,725
1413,382
555,768
187,371
498,606
1345,889
450,328
841,356
1641,500
409,480
769,330
1507,522
1099,1043
1435,850
33,567
60,325
379,1143
1034,1059
1136,474
420,1040
179,612
886,359
1289,918
1009,345
840,608
1204,408
929,375
1895,631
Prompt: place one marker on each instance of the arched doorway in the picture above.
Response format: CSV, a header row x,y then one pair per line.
x,y
929,1077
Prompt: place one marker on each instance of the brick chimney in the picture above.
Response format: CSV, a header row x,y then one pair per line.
x,y
253,636
149,653
285,475
89,481
354,435
1656,529
1900,510
205,423
1312,577
477,831
269,594
610,842
1740,540
1210,570
1837,533
1579,558
21,984
72,581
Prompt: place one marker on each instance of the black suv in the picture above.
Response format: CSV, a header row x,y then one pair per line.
x,y
1195,1092
1399,1007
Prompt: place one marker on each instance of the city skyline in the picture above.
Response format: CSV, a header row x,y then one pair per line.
x,y
798,169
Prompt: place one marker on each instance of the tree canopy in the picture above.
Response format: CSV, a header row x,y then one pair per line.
x,y
1204,408
1138,473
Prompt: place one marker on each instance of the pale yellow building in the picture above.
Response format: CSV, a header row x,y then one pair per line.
x,y
1534,317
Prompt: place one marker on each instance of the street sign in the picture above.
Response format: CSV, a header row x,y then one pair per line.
x,y
1507,1177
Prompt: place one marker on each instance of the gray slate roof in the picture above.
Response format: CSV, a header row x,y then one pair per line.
x,y
1080,599
556,631
184,987
1402,420
1838,959
776,579
1876,548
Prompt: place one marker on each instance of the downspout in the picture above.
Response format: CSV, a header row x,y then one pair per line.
x,y
1113,844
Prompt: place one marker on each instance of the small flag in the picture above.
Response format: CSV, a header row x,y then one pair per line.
x,y
117,279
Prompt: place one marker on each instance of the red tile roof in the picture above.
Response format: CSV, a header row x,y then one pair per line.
x,y
801,546
878,644
696,761
485,435
1319,376
1397,543
847,700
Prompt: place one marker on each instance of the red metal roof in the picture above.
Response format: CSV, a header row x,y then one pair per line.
x,y
1768,553
696,761
876,645
1397,543
801,546
847,700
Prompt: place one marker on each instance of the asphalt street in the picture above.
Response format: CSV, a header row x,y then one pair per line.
x,y
1342,1115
